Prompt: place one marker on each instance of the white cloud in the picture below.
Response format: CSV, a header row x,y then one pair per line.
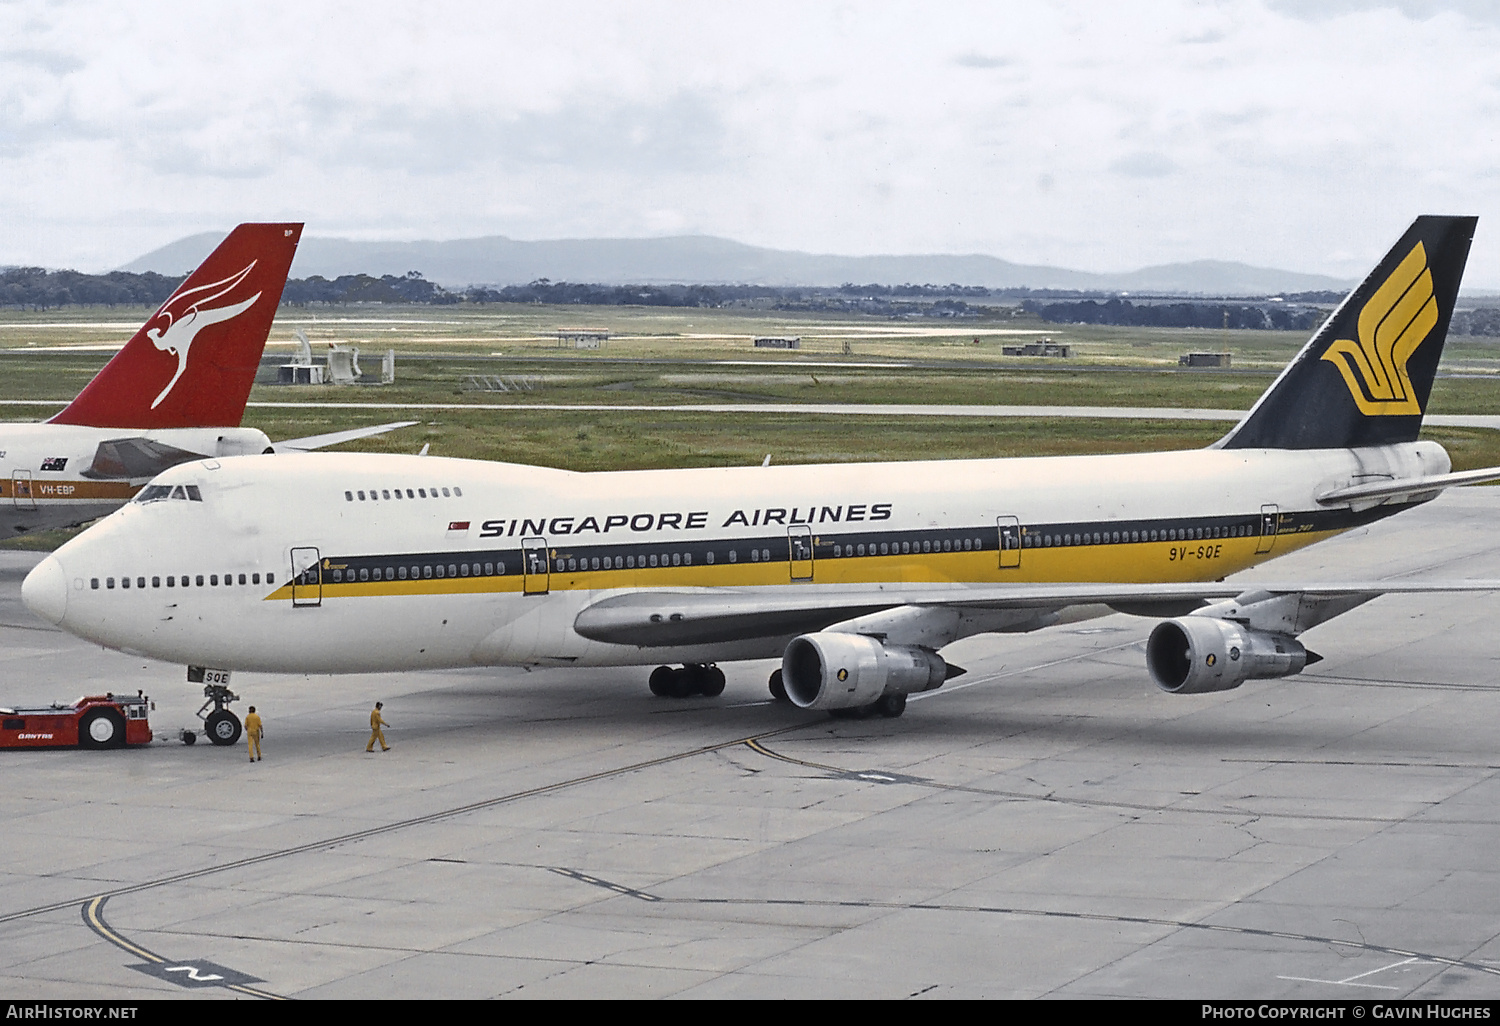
x,y
1080,134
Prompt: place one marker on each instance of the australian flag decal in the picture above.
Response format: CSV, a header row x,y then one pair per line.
x,y
55,463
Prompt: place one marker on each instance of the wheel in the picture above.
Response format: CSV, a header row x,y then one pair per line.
x,y
711,681
684,682
778,687
188,737
661,681
101,728
890,706
223,727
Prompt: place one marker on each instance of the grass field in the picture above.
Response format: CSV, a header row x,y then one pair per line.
x,y
660,357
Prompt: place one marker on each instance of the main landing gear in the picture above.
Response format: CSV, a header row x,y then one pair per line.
x,y
692,679
889,706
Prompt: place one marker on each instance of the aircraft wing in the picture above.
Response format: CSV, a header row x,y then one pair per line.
x,y
135,458
657,619
335,437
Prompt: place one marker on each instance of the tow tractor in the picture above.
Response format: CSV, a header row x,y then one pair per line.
x,y
94,721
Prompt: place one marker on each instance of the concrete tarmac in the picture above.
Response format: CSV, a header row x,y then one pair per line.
x,y
1048,825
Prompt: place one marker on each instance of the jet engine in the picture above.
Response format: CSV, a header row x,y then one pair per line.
x,y
1192,655
831,670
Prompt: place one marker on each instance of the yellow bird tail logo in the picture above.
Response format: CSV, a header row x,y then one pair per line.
x,y
1394,322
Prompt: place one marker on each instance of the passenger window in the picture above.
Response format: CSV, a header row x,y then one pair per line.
x,y
385,493
171,582
109,582
242,578
214,580
94,583
199,581
270,578
422,492
125,582
390,573
445,493
361,496
348,496
254,579
398,493
156,582
409,494
458,492
364,575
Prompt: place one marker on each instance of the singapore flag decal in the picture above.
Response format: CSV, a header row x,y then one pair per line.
x,y
189,313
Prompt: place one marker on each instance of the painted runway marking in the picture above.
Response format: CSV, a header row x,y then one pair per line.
x,y
1352,981
193,974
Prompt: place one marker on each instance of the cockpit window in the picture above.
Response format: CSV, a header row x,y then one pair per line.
x,y
153,493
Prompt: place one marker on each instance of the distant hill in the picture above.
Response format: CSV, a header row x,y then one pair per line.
x,y
704,259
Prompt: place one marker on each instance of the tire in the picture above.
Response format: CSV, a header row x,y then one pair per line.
x,y
778,687
684,682
101,728
222,727
661,681
711,682
890,706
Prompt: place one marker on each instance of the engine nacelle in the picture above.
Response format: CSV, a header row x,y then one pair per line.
x,y
1192,655
831,670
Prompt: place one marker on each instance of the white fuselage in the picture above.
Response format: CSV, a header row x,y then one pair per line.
x,y
42,479
490,564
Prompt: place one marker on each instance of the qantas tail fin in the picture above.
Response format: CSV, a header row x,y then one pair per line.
x,y
192,364
1365,377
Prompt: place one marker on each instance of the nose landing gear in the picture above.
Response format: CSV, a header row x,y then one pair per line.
x,y
222,726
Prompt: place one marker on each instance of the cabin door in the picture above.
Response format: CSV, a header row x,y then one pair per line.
x,y
534,566
20,490
1270,519
307,577
800,549
1010,542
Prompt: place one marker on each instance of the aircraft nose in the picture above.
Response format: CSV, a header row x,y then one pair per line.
x,y
45,590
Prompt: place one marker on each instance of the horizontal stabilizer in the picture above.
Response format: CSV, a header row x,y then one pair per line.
x,y
135,458
1411,486
336,437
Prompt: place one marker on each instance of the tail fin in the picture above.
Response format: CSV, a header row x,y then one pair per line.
x,y
1365,377
192,363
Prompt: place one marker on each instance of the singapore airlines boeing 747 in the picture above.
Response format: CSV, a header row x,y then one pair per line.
x,y
856,576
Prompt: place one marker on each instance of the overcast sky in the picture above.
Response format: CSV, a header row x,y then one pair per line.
x,y
1098,136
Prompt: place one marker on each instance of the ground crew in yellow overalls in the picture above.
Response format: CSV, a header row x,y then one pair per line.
x,y
253,732
376,722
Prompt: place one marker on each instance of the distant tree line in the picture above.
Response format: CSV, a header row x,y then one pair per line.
x,y
1241,316
35,288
